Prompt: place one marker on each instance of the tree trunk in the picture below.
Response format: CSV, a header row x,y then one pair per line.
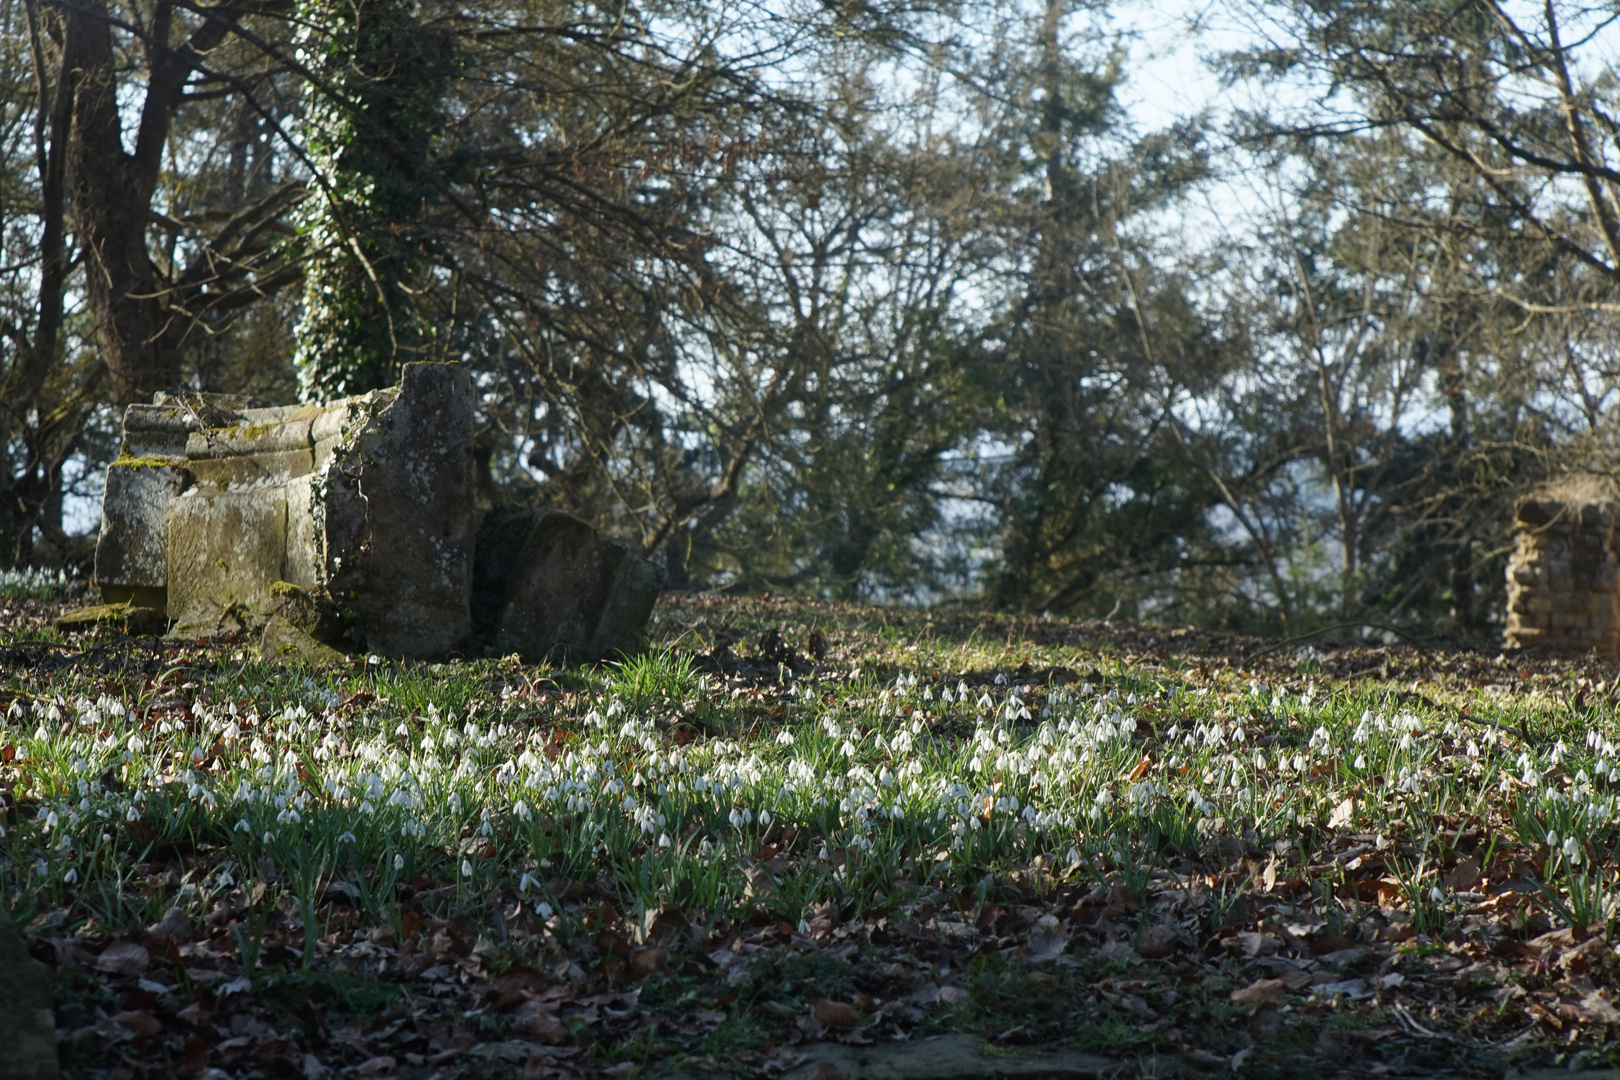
x,y
139,334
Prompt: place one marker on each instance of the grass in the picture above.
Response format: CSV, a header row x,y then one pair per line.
x,y
926,772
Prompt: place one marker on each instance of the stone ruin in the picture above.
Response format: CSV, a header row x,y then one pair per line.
x,y
1563,585
351,526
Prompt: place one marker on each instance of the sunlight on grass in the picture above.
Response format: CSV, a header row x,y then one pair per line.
x,y
1016,803
864,791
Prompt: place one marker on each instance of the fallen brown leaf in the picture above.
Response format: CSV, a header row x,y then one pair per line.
x,y
174,927
1330,943
124,958
648,962
513,986
1463,877
1343,815
140,1022
1381,891
760,883
1261,992
1048,938
537,1020
835,1014
194,1059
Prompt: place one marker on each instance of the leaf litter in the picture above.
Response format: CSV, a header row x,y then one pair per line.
x,y
1381,929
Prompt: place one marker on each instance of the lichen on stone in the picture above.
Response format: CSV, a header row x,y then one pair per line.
x,y
148,461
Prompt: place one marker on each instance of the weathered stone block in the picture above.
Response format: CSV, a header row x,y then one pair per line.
x,y
397,510
226,545
132,554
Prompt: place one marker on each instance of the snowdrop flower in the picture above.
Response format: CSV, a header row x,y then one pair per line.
x,y
70,878
1572,851
466,868
345,838
241,826
543,909
399,862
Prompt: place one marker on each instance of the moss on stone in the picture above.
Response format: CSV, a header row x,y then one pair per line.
x,y
149,461
248,432
133,620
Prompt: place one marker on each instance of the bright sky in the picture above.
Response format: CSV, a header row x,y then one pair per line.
x,y
1167,77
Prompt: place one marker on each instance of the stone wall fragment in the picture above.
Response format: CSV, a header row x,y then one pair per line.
x,y
218,509
1562,575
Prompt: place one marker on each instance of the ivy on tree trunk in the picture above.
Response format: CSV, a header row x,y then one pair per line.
x,y
372,117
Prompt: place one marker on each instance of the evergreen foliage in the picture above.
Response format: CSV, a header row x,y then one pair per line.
x,y
882,302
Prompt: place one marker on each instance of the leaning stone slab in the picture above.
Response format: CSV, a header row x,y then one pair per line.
x,y
298,628
281,641
547,583
27,1019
